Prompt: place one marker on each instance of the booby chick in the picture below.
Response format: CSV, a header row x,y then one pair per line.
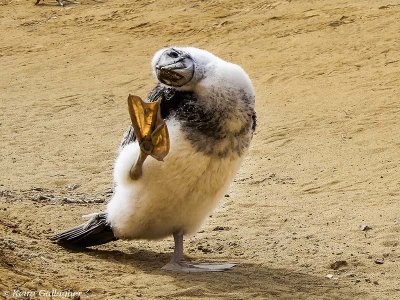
x,y
208,106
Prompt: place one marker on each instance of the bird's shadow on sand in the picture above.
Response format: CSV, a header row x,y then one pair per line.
x,y
246,279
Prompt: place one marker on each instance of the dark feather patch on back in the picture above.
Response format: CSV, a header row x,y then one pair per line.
x,y
204,127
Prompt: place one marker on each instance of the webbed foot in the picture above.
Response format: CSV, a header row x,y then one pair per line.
x,y
176,263
186,267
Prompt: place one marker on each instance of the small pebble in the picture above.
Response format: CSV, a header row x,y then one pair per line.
x,y
329,276
379,261
365,227
38,189
44,197
220,228
338,264
69,200
72,187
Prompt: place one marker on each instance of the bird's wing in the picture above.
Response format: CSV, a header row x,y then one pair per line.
x,y
129,137
96,231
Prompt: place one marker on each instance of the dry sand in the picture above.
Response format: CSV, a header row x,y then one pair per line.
x,y
324,160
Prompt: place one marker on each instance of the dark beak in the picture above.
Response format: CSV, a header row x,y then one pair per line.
x,y
174,71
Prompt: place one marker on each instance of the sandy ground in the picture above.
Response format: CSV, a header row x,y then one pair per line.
x,y
324,160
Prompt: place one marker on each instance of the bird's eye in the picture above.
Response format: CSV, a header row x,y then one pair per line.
x,y
174,54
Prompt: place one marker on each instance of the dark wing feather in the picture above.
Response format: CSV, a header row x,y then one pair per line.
x,y
129,137
254,118
94,232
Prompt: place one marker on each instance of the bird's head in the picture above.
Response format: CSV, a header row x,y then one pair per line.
x,y
174,67
182,67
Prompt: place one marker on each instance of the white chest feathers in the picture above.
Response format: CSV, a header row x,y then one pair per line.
x,y
173,195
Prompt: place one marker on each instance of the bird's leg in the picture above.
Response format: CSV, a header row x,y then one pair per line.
x,y
178,249
136,170
177,265
37,2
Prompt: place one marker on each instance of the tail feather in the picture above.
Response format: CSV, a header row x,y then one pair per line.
x,y
96,231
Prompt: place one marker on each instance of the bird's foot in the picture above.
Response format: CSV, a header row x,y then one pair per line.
x,y
187,267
